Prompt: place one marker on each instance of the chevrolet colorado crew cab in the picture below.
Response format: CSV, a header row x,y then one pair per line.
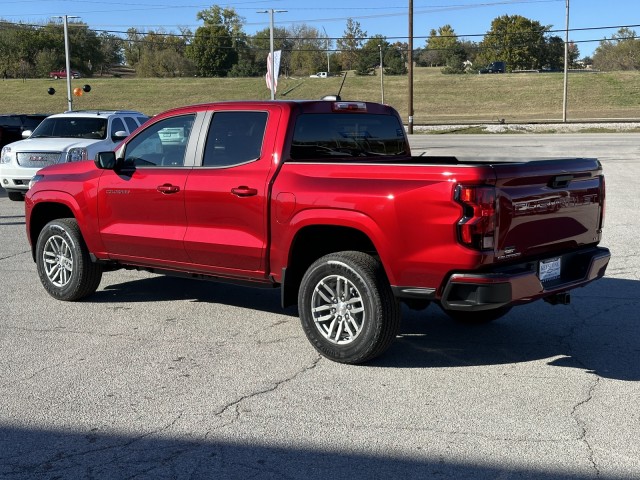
x,y
324,200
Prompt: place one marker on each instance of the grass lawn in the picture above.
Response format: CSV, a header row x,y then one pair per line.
x,y
438,98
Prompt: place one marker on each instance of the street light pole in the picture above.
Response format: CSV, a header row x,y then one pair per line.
x,y
327,46
67,59
271,11
381,74
566,67
410,67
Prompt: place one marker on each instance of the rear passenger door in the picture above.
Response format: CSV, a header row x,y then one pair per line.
x,y
226,196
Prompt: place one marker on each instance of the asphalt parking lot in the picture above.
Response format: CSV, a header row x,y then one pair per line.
x,y
162,378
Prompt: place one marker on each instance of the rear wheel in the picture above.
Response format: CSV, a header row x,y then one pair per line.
x,y
477,317
62,259
347,308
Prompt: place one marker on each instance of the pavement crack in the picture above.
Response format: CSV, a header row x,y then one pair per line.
x,y
15,255
235,405
582,425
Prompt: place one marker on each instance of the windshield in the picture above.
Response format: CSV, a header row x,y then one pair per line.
x,y
72,127
348,135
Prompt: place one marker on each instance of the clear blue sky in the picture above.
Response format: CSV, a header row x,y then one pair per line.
x,y
386,17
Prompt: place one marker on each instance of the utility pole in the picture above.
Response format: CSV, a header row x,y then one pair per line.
x,y
410,73
67,55
566,67
381,74
271,11
327,46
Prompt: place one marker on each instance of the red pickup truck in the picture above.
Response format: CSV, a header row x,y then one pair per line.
x,y
63,74
324,200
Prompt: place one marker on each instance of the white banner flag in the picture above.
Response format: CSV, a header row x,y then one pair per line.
x,y
276,65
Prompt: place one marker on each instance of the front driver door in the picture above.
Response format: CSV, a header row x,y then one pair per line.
x,y
141,205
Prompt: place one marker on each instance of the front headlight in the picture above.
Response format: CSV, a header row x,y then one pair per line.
x,y
77,154
34,179
5,156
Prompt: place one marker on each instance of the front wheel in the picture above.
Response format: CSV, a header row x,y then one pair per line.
x,y
62,259
347,308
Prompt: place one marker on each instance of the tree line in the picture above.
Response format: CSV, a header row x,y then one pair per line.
x,y
221,48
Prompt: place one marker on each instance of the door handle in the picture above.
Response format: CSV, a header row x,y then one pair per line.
x,y
168,188
244,191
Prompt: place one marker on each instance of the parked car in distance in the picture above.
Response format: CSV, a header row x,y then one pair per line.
x,y
64,137
12,126
63,74
494,67
319,75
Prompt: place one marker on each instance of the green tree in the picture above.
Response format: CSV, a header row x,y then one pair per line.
x,y
395,59
163,55
212,49
441,45
350,44
111,48
443,48
307,50
369,55
554,54
132,46
516,40
621,52
260,45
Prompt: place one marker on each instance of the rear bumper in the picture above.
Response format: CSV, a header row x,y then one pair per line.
x,y
521,283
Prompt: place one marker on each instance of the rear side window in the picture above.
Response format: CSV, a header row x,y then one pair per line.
x,y
117,126
131,123
234,138
347,135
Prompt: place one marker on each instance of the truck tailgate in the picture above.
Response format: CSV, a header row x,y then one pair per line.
x,y
548,206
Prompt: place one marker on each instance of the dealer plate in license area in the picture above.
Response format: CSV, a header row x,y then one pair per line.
x,y
549,269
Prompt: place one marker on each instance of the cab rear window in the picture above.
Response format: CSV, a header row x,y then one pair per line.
x,y
329,137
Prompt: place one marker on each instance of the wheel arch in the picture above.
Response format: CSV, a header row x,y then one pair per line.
x,y
314,241
41,214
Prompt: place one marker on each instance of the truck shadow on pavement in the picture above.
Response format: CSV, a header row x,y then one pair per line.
x,y
166,288
598,332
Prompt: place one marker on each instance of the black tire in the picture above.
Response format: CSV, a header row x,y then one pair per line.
x,y
63,262
479,317
347,308
16,196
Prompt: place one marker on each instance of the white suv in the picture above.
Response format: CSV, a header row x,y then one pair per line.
x,y
65,137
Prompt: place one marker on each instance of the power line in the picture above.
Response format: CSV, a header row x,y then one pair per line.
x,y
323,38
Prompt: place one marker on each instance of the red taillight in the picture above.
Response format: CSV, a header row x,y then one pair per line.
x,y
477,227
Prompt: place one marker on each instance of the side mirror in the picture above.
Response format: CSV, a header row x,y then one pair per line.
x,y
106,160
119,136
26,133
